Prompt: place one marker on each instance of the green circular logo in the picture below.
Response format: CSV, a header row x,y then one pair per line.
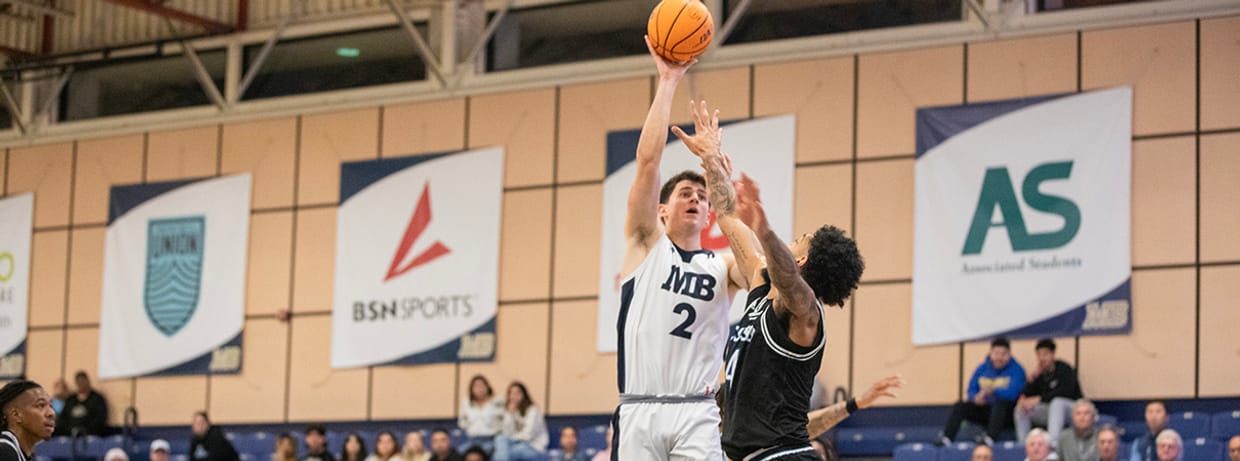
x,y
6,273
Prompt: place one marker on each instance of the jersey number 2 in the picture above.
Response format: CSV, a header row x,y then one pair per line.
x,y
682,330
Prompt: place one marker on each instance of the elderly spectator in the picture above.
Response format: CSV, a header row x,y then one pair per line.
x,y
1108,444
993,390
115,454
1233,448
1169,445
1047,399
1038,446
1080,443
160,450
1145,447
983,453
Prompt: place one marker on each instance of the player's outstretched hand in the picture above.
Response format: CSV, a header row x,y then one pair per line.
x,y
707,135
882,388
748,201
668,70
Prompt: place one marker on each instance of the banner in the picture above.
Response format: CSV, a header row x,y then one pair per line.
x,y
174,278
417,259
1022,218
765,149
16,222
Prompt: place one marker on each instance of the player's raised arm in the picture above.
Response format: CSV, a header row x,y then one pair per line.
x,y
706,143
795,296
641,226
823,419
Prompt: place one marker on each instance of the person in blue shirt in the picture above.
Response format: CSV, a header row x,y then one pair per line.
x,y
1145,447
993,391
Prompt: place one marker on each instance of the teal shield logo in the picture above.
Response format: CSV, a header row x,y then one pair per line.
x,y
173,271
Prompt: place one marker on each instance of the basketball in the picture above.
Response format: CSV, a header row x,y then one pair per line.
x,y
680,30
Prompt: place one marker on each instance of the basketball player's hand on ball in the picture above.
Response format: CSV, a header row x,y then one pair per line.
x,y
668,70
882,388
706,137
748,203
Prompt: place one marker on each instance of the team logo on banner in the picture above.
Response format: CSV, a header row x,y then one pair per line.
x,y
173,271
765,149
16,219
1022,218
417,259
174,278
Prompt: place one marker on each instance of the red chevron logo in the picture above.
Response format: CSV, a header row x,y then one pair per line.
x,y
417,224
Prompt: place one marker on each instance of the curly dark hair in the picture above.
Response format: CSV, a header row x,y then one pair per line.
x,y
670,185
833,266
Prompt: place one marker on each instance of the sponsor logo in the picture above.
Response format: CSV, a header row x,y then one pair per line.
x,y
1106,315
417,224
7,266
174,253
997,192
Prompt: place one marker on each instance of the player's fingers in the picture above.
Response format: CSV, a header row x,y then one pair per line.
x,y
682,135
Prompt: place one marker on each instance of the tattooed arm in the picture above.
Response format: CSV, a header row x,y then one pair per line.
x,y
823,419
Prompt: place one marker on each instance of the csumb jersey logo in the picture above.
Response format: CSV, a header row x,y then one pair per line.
x,y
417,243
173,271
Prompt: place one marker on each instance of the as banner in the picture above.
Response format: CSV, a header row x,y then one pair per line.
x,y
1022,218
417,259
174,278
765,149
16,221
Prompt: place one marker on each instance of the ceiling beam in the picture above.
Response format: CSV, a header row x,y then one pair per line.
x,y
209,24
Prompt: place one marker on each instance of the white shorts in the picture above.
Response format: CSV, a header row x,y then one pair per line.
x,y
667,432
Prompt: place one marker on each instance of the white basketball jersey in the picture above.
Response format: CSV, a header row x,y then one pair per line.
x,y
673,322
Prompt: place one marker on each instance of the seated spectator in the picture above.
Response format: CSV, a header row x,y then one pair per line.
x,y
523,434
1145,448
983,453
316,444
354,448
160,450
60,394
1038,446
1108,444
993,390
115,454
209,443
1080,443
481,413
385,448
415,448
476,453
286,448
1169,445
85,412
441,447
568,446
1047,399
1233,448
605,455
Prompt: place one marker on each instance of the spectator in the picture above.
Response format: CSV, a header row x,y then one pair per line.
x,y
1145,448
415,448
481,413
60,395
441,447
316,444
1169,445
983,453
26,419
354,448
385,448
116,454
568,445
605,455
160,450
523,434
1038,446
1081,443
1047,400
476,453
286,448
85,412
1233,448
209,443
993,390
1108,444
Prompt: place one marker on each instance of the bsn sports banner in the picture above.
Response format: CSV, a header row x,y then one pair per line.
x,y
765,149
174,278
417,259
1022,218
16,220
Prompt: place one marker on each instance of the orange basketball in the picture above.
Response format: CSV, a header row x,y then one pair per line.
x,y
680,30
